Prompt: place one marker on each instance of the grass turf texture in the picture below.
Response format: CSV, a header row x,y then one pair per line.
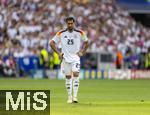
x,y
96,97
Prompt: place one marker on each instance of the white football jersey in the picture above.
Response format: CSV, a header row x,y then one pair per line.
x,y
70,43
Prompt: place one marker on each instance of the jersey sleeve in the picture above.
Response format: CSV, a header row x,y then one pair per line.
x,y
56,38
84,36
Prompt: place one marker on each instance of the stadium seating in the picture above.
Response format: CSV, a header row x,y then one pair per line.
x,y
27,25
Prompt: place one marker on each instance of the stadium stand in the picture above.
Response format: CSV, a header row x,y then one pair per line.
x,y
27,25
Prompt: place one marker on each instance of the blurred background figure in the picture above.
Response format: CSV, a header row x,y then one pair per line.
x,y
147,60
119,60
56,61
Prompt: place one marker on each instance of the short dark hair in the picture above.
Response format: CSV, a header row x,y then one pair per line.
x,y
70,18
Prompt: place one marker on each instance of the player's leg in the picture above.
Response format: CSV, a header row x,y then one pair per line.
x,y
66,68
75,69
69,88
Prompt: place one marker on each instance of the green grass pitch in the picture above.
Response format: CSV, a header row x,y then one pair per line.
x,y
96,97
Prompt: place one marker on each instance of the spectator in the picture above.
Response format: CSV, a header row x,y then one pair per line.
x,y
147,62
119,60
1,67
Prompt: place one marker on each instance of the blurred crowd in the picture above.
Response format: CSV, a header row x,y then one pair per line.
x,y
26,26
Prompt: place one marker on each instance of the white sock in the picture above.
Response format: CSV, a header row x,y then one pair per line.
x,y
75,86
69,86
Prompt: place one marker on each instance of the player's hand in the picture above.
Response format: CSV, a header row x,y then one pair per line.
x,y
80,53
61,55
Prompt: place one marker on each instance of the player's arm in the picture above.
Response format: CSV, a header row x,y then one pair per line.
x,y
85,47
53,46
53,43
85,44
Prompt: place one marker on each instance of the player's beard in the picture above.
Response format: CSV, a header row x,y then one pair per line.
x,y
70,29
